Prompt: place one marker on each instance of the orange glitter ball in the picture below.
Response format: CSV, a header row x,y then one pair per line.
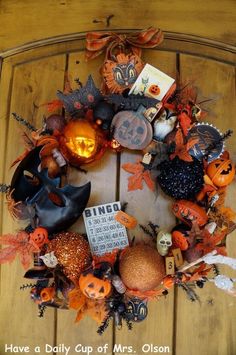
x,y
72,252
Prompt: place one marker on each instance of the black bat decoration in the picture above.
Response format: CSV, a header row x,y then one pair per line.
x,y
79,100
131,102
56,209
25,184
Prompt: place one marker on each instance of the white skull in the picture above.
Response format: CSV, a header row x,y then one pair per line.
x,y
50,259
164,242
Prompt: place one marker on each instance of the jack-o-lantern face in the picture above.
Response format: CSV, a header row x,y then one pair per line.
x,y
154,90
121,73
39,236
189,212
132,130
82,142
221,172
93,287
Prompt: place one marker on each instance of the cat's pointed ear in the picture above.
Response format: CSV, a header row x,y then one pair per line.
x,y
132,61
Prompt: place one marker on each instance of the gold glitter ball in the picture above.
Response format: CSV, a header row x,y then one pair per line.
x,y
72,252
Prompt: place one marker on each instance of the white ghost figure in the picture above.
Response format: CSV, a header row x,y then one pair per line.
x,y
164,124
164,242
50,259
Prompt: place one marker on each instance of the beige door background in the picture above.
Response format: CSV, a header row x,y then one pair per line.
x,y
39,41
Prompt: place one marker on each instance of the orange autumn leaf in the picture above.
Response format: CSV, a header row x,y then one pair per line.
x,y
108,257
53,105
185,122
181,149
210,242
20,245
77,299
135,182
96,309
228,213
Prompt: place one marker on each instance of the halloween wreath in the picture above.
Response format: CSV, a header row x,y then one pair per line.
x,y
139,108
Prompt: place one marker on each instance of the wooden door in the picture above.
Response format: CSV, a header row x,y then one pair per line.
x,y
29,78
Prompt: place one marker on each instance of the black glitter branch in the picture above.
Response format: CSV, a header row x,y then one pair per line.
x,y
191,294
146,231
216,270
154,228
42,309
24,122
27,286
105,324
4,188
215,144
129,324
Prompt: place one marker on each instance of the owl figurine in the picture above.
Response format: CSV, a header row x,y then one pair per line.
x,y
164,124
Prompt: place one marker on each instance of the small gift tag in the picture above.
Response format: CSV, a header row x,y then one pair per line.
x,y
170,265
125,219
104,232
151,112
178,257
147,158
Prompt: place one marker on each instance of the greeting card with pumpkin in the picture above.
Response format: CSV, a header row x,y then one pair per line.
x,y
152,82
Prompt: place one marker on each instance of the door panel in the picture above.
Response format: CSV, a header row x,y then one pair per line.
x,y
31,78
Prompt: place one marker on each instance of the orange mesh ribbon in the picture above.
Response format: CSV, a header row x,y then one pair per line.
x,y
97,42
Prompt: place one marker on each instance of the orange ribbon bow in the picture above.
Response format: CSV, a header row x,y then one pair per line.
x,y
97,42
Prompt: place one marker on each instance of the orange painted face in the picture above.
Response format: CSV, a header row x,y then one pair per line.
x,y
189,212
39,236
221,172
154,90
93,287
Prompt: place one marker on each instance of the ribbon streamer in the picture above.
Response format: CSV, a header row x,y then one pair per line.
x,y
97,42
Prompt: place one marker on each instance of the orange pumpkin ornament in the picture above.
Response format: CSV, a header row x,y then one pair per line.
x,y
121,73
179,240
82,142
221,172
141,268
189,212
154,90
94,287
39,236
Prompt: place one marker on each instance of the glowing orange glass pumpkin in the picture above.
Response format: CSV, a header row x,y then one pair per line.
x,y
82,142
39,236
93,287
189,212
221,172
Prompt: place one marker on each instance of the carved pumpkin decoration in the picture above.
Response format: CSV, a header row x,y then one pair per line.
x,y
221,172
189,212
82,142
39,236
94,287
132,130
154,90
121,73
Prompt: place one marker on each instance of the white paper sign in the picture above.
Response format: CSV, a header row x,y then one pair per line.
x,y
104,232
152,82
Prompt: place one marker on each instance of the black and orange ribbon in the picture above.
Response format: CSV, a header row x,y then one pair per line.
x,y
97,42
